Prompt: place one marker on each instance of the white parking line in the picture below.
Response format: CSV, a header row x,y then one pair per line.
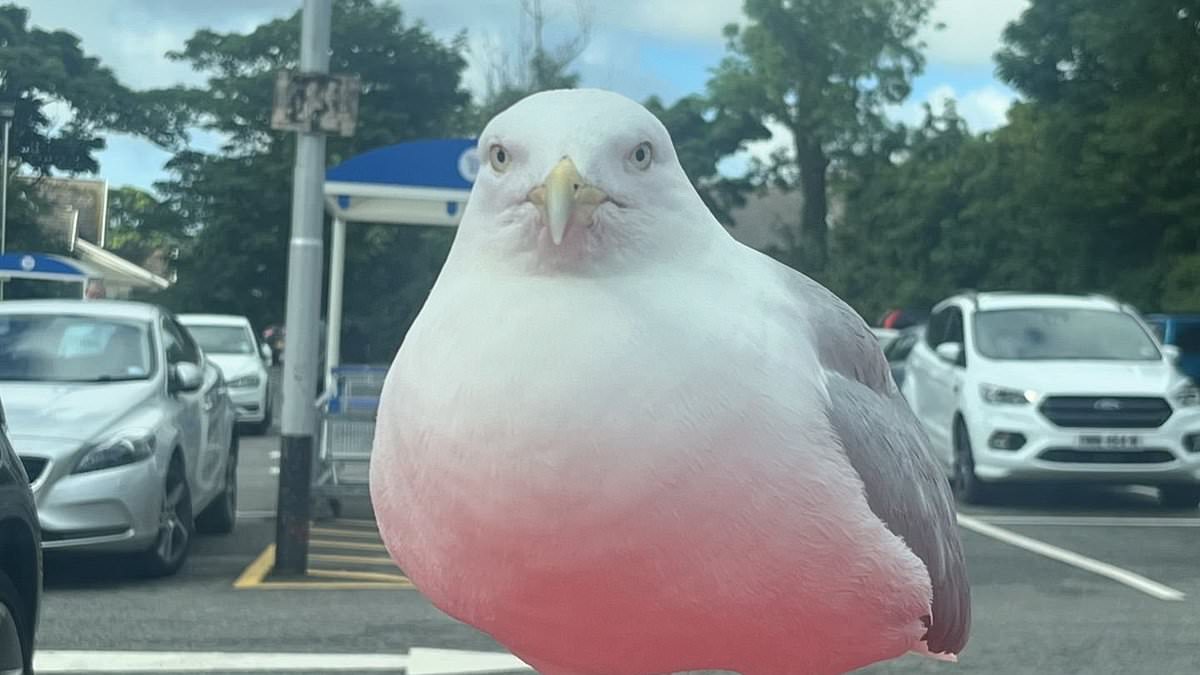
x,y
273,470
256,513
274,454
1117,574
71,661
1090,521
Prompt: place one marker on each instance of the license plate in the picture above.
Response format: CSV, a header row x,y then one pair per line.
x,y
1109,441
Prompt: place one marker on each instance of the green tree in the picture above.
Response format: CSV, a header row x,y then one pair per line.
x,y
704,133
823,70
1112,94
140,226
941,210
239,199
41,69
64,101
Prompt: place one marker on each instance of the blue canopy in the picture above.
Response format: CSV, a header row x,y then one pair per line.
x,y
45,266
423,182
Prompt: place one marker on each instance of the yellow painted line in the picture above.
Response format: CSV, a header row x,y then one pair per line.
x,y
331,586
353,545
354,522
353,559
360,534
256,571
359,576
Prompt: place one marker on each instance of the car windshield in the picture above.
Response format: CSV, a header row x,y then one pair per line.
x,y
222,339
1060,333
58,348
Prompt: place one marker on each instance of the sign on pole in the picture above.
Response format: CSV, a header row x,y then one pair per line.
x,y
315,103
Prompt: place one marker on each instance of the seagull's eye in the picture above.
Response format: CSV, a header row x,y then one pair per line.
x,y
499,158
641,156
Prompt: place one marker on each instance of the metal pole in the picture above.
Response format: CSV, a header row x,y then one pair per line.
x,y
333,315
4,202
303,307
4,195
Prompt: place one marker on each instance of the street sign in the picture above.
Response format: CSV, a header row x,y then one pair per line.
x,y
315,102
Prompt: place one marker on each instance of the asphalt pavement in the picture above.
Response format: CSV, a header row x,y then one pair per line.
x,y
1090,581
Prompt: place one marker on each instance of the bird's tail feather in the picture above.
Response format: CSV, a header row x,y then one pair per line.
x,y
923,649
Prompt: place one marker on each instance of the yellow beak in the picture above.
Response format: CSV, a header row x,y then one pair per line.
x,y
563,191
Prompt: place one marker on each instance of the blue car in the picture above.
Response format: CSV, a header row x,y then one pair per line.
x,y
1183,332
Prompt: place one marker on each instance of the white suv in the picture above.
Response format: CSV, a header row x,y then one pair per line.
x,y
1014,386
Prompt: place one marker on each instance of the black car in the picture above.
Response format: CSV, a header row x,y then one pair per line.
x,y
20,561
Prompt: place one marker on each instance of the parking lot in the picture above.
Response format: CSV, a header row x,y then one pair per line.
x,y
1073,581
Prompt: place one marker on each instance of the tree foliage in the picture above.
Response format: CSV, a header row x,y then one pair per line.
x,y
64,100
64,103
704,133
140,226
240,198
1093,185
823,70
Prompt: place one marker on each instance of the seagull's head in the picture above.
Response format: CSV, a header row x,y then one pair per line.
x,y
578,178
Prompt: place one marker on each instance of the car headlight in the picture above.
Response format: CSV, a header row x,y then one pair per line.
x,y
245,381
1006,395
118,452
1187,395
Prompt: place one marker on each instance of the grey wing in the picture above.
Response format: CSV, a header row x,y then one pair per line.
x,y
906,489
884,443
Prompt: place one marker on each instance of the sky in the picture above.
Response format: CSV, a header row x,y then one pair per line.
x,y
636,47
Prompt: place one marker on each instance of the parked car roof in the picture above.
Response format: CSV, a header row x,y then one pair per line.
x,y
1010,300
1167,316
214,319
126,309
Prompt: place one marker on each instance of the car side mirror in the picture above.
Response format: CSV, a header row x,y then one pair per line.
x,y
185,376
1172,352
950,351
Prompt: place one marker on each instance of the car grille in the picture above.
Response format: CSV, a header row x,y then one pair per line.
x,y
1076,456
34,466
1106,412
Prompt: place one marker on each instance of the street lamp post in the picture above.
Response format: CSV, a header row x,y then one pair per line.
x,y
7,110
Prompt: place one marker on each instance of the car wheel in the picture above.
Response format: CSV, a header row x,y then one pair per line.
x,y
175,526
966,483
1179,496
220,516
16,635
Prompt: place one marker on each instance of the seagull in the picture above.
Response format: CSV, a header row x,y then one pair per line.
x,y
622,443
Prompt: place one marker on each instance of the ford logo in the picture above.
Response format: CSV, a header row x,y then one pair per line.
x,y
1107,404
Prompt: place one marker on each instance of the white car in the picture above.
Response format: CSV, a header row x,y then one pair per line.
x,y
1014,386
229,341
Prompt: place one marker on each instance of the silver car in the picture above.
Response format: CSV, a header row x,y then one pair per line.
x,y
125,428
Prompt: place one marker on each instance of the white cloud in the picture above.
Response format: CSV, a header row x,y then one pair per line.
x,y
973,30
132,37
696,20
983,108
